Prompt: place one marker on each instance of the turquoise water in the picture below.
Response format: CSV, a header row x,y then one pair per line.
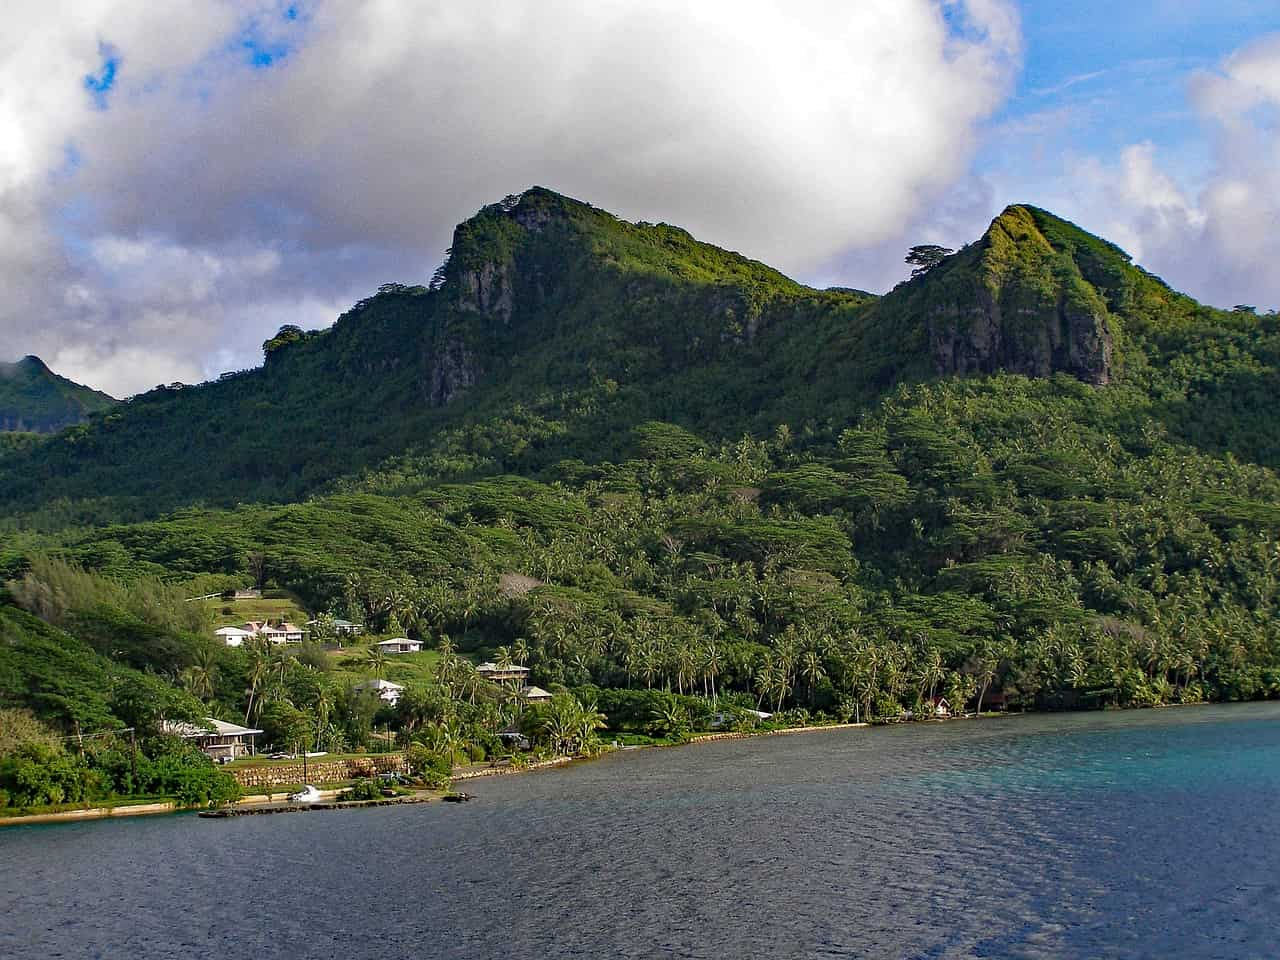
x,y
1143,834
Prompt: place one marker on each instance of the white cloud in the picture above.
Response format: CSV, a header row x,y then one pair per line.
x,y
210,197
1220,239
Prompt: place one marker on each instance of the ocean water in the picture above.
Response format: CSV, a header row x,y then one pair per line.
x,y
1139,834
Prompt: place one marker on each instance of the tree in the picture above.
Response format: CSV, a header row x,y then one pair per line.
x,y
376,662
19,727
324,629
259,666
289,333
925,257
256,561
285,725
37,773
668,719
201,678
145,701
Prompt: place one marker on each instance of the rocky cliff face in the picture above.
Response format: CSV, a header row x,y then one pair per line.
x,y
1036,340
1014,302
487,289
452,369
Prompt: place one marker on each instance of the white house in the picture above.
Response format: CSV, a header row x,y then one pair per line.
x,y
387,691
399,645
233,636
219,739
283,632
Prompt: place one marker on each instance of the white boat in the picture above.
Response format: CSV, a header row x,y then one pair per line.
x,y
307,794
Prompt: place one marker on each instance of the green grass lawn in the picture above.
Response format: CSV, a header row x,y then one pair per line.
x,y
403,668
235,612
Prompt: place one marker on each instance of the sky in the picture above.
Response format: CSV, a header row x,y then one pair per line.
x,y
179,180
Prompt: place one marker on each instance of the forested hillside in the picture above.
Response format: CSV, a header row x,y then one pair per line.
x,y
648,468
34,399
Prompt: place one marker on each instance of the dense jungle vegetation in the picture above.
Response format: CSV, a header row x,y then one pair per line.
x,y
675,484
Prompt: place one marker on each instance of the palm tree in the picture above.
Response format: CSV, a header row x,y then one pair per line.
x,y
322,707
930,671
712,660
766,681
201,678
589,722
520,651
376,661
812,671
259,665
284,659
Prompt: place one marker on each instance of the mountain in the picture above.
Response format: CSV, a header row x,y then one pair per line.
x,y
646,468
34,399
577,326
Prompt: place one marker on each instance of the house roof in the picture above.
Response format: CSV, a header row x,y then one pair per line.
x,y
232,632
530,693
494,668
396,641
221,728
280,628
378,685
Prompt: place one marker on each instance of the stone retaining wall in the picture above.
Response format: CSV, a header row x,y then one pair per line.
x,y
318,770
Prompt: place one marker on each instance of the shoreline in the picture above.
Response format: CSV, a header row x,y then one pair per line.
x,y
254,804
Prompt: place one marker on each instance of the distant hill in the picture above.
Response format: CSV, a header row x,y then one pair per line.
x,y
34,399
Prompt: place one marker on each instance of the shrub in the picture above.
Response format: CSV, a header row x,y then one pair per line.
x,y
36,774
362,790
432,768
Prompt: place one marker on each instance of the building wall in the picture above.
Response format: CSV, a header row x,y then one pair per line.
x,y
317,771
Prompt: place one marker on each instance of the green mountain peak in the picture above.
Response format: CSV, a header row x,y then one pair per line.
x,y
34,399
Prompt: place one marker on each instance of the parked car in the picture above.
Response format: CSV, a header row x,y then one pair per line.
x,y
307,794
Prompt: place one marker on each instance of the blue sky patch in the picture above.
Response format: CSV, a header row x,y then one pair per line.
x,y
99,84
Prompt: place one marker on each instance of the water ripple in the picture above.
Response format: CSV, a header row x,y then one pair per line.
x,y
1117,835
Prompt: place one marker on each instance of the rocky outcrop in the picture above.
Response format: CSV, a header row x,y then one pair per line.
x,y
1018,301
1033,340
488,290
452,369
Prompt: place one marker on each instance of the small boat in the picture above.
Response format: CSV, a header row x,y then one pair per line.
x,y
308,794
456,797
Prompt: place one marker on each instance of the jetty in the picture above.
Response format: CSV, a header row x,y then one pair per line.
x,y
258,809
